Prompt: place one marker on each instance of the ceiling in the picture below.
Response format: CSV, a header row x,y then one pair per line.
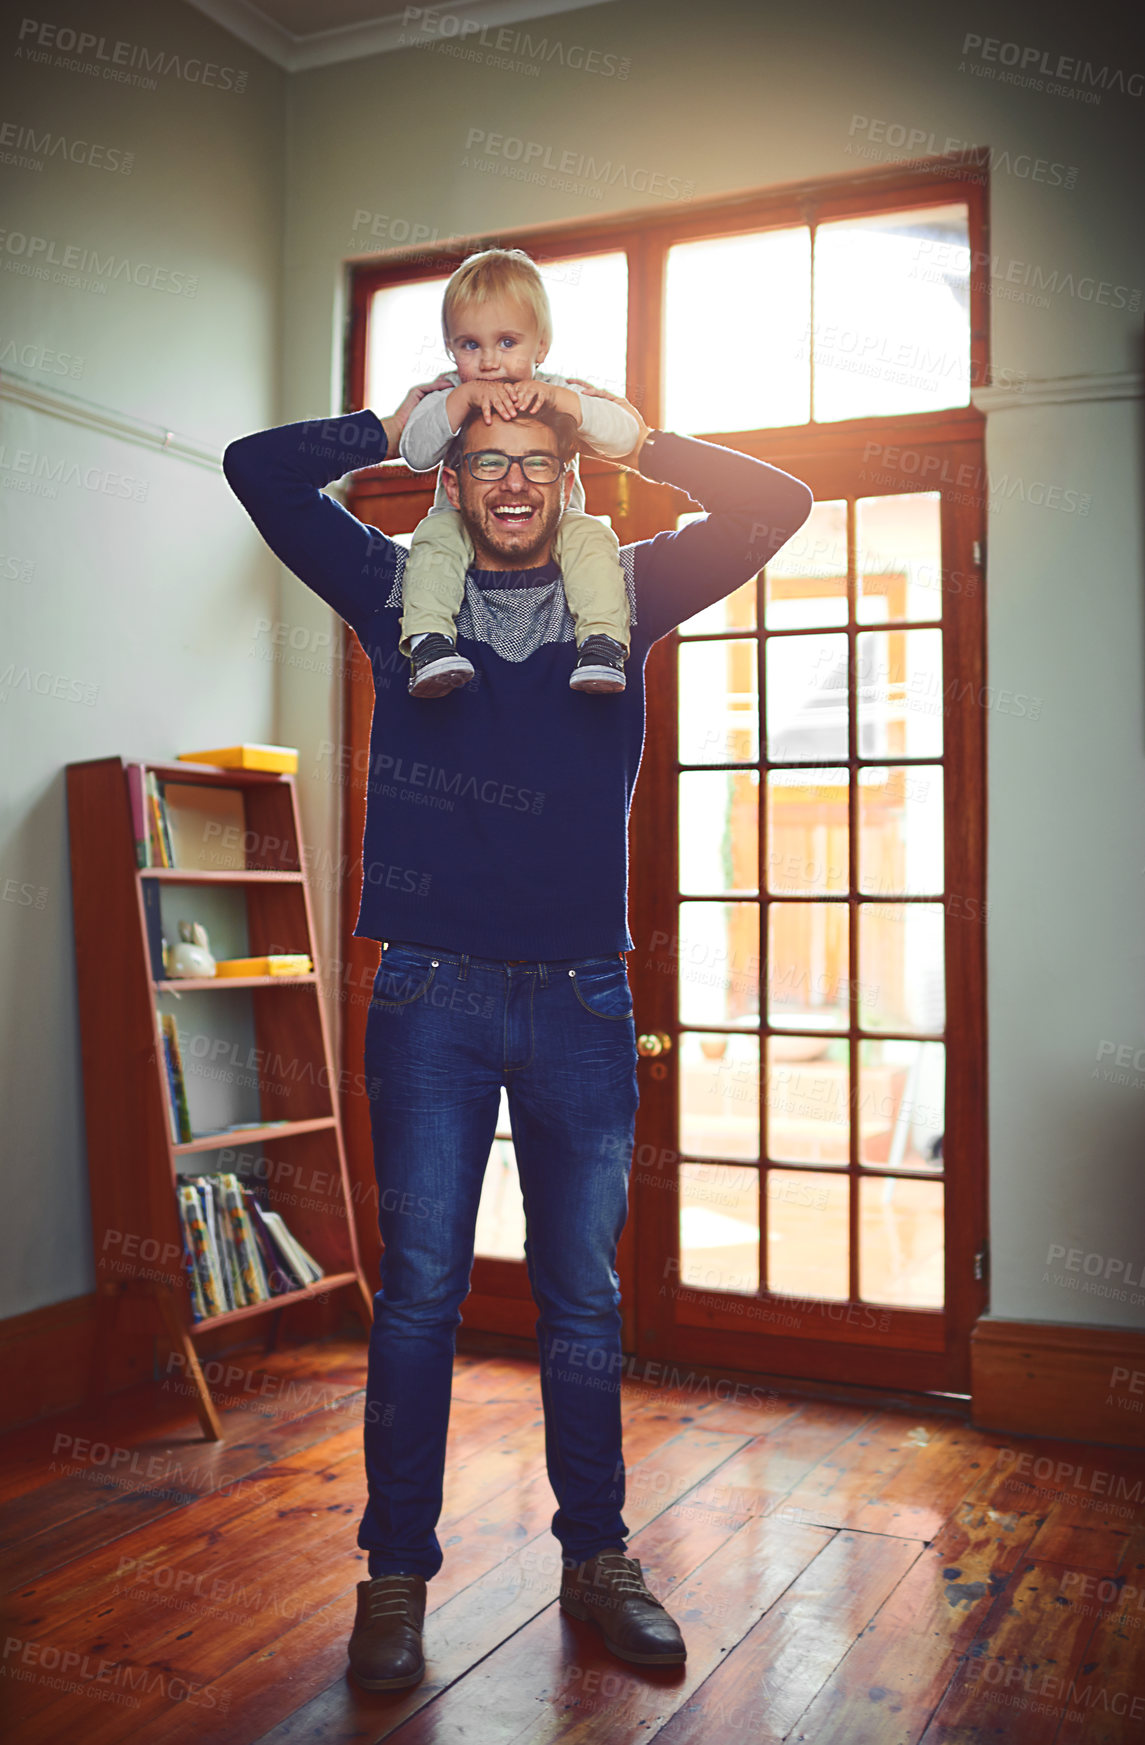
x,y
297,34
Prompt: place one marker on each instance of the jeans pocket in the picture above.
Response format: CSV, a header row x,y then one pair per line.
x,y
602,988
402,978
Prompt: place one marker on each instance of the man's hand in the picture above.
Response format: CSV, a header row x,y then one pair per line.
x,y
396,422
488,397
632,459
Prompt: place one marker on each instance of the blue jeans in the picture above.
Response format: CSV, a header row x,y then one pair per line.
x,y
445,1031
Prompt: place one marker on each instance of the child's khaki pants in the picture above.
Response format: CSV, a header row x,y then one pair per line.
x,y
587,551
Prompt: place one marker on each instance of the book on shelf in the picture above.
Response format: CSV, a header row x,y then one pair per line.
x,y
247,1256
198,1307
304,1265
169,1075
205,1271
242,1253
153,920
278,1279
282,759
230,1286
159,839
176,1082
185,826
148,817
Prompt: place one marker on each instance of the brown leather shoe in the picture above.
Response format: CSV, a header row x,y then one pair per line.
x,y
385,1647
609,1590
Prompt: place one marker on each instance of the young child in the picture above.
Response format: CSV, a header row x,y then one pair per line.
x,y
497,326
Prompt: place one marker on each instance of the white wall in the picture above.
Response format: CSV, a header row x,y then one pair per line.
x,y
732,96
144,607
157,603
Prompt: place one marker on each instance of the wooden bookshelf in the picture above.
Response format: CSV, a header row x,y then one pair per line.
x,y
133,1158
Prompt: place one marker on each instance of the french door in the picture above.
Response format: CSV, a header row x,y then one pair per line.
x,y
809,918
807,901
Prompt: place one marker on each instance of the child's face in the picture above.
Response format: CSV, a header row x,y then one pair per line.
x,y
495,341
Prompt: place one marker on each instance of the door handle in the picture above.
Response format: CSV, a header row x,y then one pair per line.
x,y
653,1042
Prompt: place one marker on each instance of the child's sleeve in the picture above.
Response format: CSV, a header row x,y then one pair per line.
x,y
427,434
608,427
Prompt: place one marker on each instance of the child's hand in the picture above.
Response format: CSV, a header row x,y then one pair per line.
x,y
493,397
533,396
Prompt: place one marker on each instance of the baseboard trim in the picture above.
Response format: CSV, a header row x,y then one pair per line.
x,y
1048,1378
1028,1378
47,1354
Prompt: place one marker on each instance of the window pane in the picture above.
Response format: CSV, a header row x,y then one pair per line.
x,y
807,832
718,701
501,1212
719,963
892,313
588,295
902,967
734,612
806,698
901,1242
901,831
719,832
808,1096
719,1095
902,1104
807,966
589,300
900,693
807,580
405,343
807,1234
899,557
719,1228
737,312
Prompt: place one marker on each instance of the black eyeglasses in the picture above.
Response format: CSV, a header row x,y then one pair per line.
x,y
487,465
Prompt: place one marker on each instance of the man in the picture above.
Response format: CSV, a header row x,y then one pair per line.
x,y
495,874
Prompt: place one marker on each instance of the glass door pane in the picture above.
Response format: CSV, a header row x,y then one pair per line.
x,y
501,1211
846,933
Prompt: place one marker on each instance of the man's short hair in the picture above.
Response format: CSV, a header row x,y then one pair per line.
x,y
498,272
562,424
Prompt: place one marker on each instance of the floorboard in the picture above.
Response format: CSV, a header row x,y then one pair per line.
x,y
843,1576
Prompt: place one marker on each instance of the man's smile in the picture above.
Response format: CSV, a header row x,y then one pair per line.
x,y
514,513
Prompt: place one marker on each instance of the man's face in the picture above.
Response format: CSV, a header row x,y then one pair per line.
x,y
512,521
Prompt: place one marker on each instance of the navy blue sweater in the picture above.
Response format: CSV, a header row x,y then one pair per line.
x,y
497,816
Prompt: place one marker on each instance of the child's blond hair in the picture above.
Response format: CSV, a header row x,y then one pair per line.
x,y
498,272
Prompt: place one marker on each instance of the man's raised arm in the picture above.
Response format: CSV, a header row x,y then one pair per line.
x,y
753,509
277,475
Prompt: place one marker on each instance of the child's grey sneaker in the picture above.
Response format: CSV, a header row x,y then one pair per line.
x,y
600,665
436,667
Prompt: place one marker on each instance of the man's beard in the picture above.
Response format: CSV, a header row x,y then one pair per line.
x,y
520,547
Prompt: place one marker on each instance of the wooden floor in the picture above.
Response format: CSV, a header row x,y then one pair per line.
x,y
840,1575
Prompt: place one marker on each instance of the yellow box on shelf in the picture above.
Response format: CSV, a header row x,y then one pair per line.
x,y
283,963
281,758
